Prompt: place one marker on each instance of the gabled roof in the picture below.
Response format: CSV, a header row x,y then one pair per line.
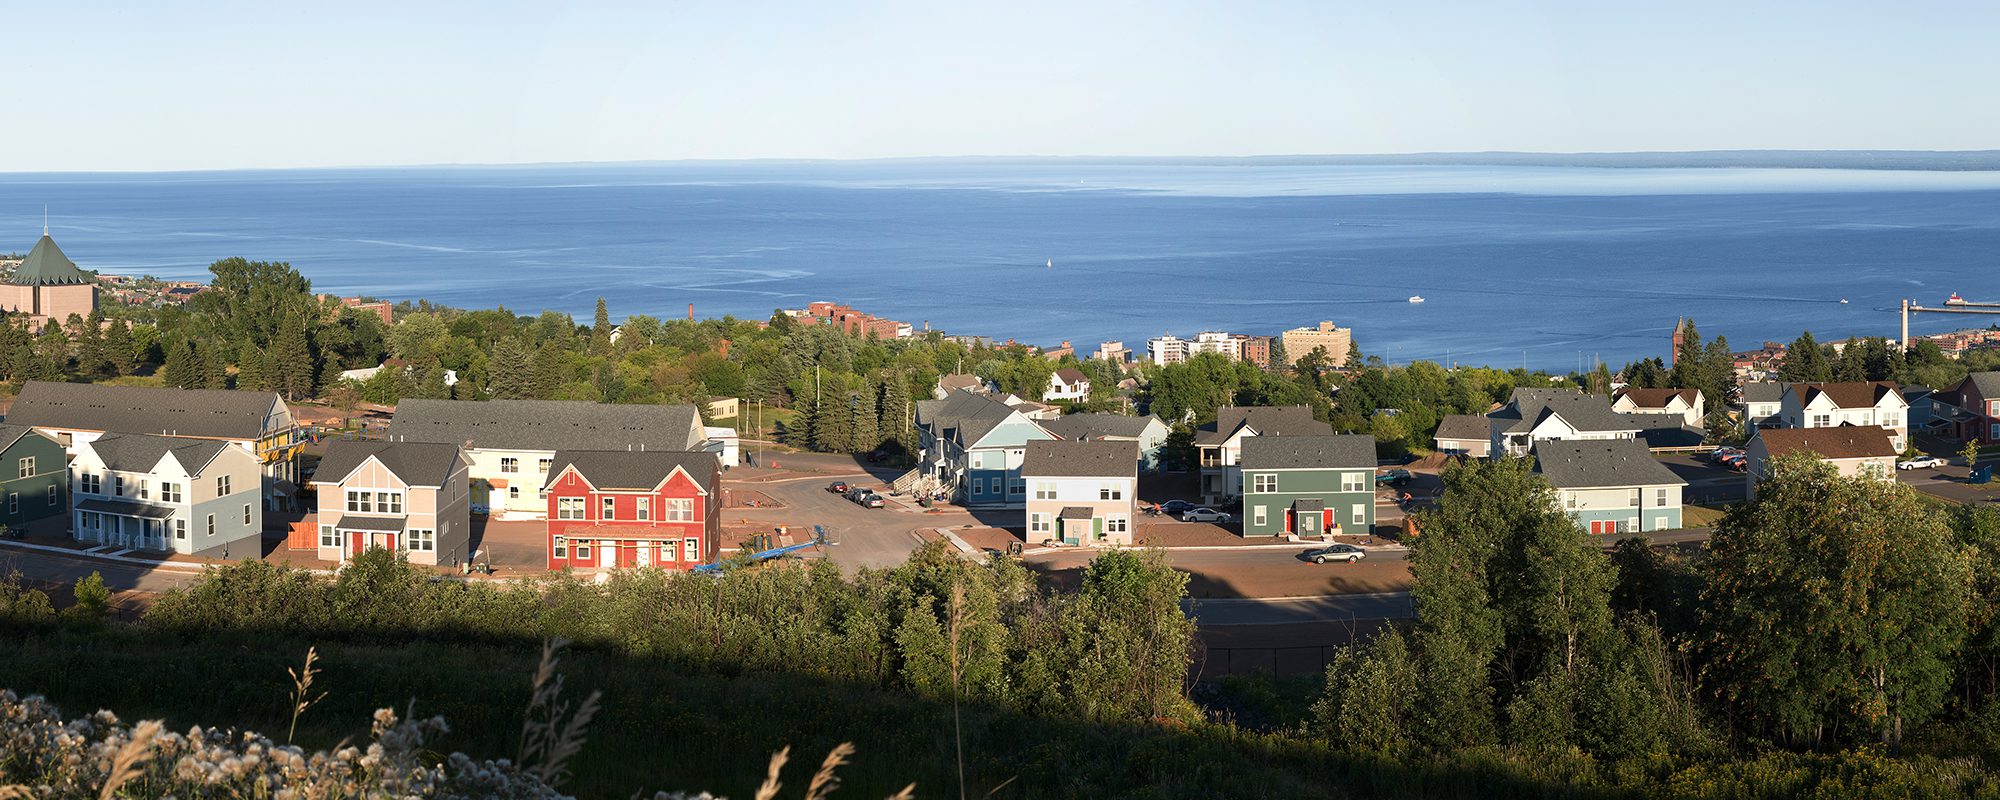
x,y
1465,426
1844,441
1097,425
968,415
1070,375
1265,420
1091,459
960,381
138,452
1655,398
1850,394
635,469
9,434
415,463
1987,384
1529,407
1763,392
210,413
1590,463
1347,451
47,266
548,425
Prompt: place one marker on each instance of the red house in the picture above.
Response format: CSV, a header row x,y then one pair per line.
x,y
1969,411
620,508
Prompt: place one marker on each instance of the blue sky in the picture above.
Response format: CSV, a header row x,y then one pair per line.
x,y
154,86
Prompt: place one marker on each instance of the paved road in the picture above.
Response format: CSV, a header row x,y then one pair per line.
x,y
66,569
1296,610
1256,572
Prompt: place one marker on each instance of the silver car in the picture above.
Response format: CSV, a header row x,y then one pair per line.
x,y
1205,515
1337,552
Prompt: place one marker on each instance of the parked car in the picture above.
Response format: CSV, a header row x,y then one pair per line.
x,y
1205,515
1720,453
1394,477
1337,552
838,487
855,494
1177,507
872,500
1920,462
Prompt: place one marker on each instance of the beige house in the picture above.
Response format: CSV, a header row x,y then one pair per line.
x,y
1855,450
412,497
1464,435
1081,492
48,286
1299,342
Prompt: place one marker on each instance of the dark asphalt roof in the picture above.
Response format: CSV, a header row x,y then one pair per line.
x,y
634,469
138,452
548,425
1346,451
125,508
1988,384
1308,505
1097,458
416,463
1763,392
1530,407
1075,512
1094,425
1265,420
1465,426
1588,463
1844,441
969,414
214,413
357,522
9,434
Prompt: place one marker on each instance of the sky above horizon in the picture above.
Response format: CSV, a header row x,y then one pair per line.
x,y
133,86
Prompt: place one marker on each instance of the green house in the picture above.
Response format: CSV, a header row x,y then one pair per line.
x,y
1308,485
34,476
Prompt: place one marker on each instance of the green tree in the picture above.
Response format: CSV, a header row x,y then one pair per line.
x,y
1832,604
1804,361
253,369
181,370
91,362
600,330
291,361
214,366
93,600
1689,359
250,301
549,371
118,350
1368,702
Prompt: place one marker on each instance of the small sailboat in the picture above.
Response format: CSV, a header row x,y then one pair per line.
x,y
1843,301
1416,298
1051,264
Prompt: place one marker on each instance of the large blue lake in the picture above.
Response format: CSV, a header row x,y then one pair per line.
x,y
1552,265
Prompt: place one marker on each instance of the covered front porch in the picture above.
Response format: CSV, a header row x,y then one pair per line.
x,y
127,524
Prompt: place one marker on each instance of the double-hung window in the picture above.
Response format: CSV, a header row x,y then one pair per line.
x,y
1117,524
246,513
571,508
1637,499
360,502
327,536
610,508
690,549
221,485
1354,481
562,547
680,509
1045,490
25,468
1038,523
1263,482
642,508
52,494
90,483
421,540
170,492
181,529
1110,491
510,465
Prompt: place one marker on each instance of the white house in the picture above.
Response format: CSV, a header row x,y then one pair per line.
x,y
1762,400
1688,403
1220,444
725,444
1147,434
1067,383
1831,405
1081,492
972,445
512,443
168,494
1540,415
1611,485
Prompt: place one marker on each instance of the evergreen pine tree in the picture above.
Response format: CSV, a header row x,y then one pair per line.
x,y
550,371
866,434
214,366
21,364
1804,361
1688,359
53,351
291,361
513,368
600,330
252,369
893,411
118,348
329,375
181,372
90,360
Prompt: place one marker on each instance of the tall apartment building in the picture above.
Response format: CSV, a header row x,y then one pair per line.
x,y
1114,352
1299,342
1167,349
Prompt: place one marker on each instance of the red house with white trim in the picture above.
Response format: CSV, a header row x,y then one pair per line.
x,y
633,508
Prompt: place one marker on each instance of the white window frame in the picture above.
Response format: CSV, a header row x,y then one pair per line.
x,y
1360,514
221,485
679,509
642,509
1265,482
978,487
328,537
180,530
246,513
1353,482
561,547
607,507
583,549
542,465
420,540
170,492
1045,490
1110,490
670,550
513,492
25,467
53,498
510,464
1257,515
1117,524
1638,498
360,501
1661,495
691,548
211,525
1038,522
570,508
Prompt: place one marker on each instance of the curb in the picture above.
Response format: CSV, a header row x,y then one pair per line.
x,y
171,566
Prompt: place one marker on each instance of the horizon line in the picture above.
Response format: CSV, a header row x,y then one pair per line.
x,y
1910,159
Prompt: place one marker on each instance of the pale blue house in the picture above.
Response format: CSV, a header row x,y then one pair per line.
x,y
971,446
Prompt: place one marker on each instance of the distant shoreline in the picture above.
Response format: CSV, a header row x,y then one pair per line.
x,y
1907,160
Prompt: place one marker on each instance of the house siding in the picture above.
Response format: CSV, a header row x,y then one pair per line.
x,y
1323,485
1613,505
664,544
1082,491
34,490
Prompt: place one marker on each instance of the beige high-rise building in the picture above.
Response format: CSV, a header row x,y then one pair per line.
x,y
1299,342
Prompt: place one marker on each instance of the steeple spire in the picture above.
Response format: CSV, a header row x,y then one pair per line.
x,y
45,219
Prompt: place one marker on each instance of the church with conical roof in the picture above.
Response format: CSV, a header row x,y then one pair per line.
x,y
48,286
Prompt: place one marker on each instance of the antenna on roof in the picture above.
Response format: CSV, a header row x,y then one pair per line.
x,y
45,219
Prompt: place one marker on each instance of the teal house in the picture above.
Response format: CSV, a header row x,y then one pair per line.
x,y
34,476
970,447
1309,486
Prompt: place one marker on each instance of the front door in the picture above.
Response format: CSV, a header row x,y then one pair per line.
x,y
607,553
1308,524
646,553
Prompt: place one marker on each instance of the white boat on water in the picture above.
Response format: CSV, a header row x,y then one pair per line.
x,y
1416,298
1843,301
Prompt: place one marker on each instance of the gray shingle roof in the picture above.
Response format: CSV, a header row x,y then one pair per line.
x,y
631,469
1075,512
416,463
1348,451
1465,426
1763,392
125,508
967,415
1599,463
1988,384
548,425
1093,425
1530,407
359,522
1265,420
1086,459
9,434
1840,442
211,413
138,452
1848,394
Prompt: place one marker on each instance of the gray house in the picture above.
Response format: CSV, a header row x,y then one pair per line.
x,y
1611,486
1464,435
168,494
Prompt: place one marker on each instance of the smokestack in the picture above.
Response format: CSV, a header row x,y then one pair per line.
x,y
690,312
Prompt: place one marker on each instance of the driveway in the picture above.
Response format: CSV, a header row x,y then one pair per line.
x,y
856,536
